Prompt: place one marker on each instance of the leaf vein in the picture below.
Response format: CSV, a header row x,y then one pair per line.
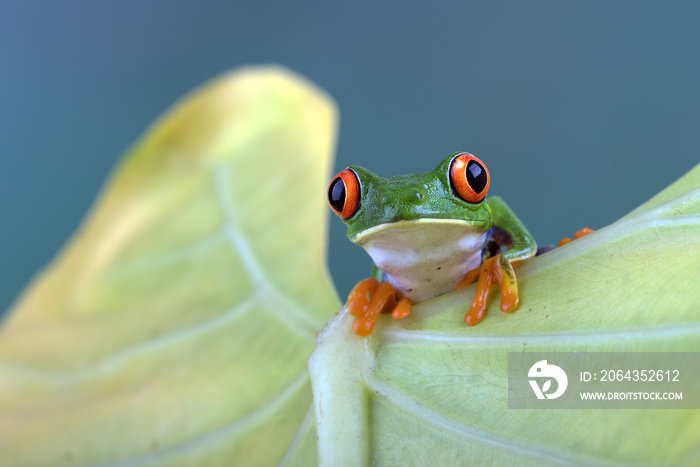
x,y
398,399
400,336
199,442
303,324
122,357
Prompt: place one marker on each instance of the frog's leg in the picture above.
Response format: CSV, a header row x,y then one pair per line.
x,y
369,298
498,268
577,235
492,248
364,324
398,309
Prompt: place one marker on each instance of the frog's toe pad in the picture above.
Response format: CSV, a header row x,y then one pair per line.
x,y
474,316
402,309
364,325
577,235
509,287
509,300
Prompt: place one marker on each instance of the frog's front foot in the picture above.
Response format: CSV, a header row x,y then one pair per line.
x,y
368,299
492,270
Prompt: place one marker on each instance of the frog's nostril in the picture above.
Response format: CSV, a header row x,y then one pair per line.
x,y
414,197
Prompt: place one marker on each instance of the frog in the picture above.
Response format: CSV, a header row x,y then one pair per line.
x,y
428,234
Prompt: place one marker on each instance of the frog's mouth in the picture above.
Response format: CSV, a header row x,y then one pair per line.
x,y
420,228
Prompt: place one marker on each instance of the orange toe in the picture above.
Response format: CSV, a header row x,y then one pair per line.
x,y
364,324
492,271
469,278
577,235
402,309
358,299
582,232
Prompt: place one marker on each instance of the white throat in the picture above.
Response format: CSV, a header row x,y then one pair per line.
x,y
424,258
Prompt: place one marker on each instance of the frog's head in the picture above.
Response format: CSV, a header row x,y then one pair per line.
x,y
453,194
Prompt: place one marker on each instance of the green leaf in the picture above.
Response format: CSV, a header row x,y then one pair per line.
x,y
428,390
175,327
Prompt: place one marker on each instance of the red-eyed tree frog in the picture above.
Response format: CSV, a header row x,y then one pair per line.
x,y
428,234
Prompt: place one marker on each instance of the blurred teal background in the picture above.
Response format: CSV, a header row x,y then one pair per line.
x,y
580,110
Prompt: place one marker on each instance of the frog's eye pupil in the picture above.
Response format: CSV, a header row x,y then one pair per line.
x,y
336,194
476,176
344,194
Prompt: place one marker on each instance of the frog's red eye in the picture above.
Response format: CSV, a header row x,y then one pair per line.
x,y
469,178
344,194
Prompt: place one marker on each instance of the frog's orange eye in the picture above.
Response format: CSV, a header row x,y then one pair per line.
x,y
344,194
469,178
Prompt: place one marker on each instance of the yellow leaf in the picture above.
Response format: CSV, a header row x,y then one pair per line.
x,y
175,326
